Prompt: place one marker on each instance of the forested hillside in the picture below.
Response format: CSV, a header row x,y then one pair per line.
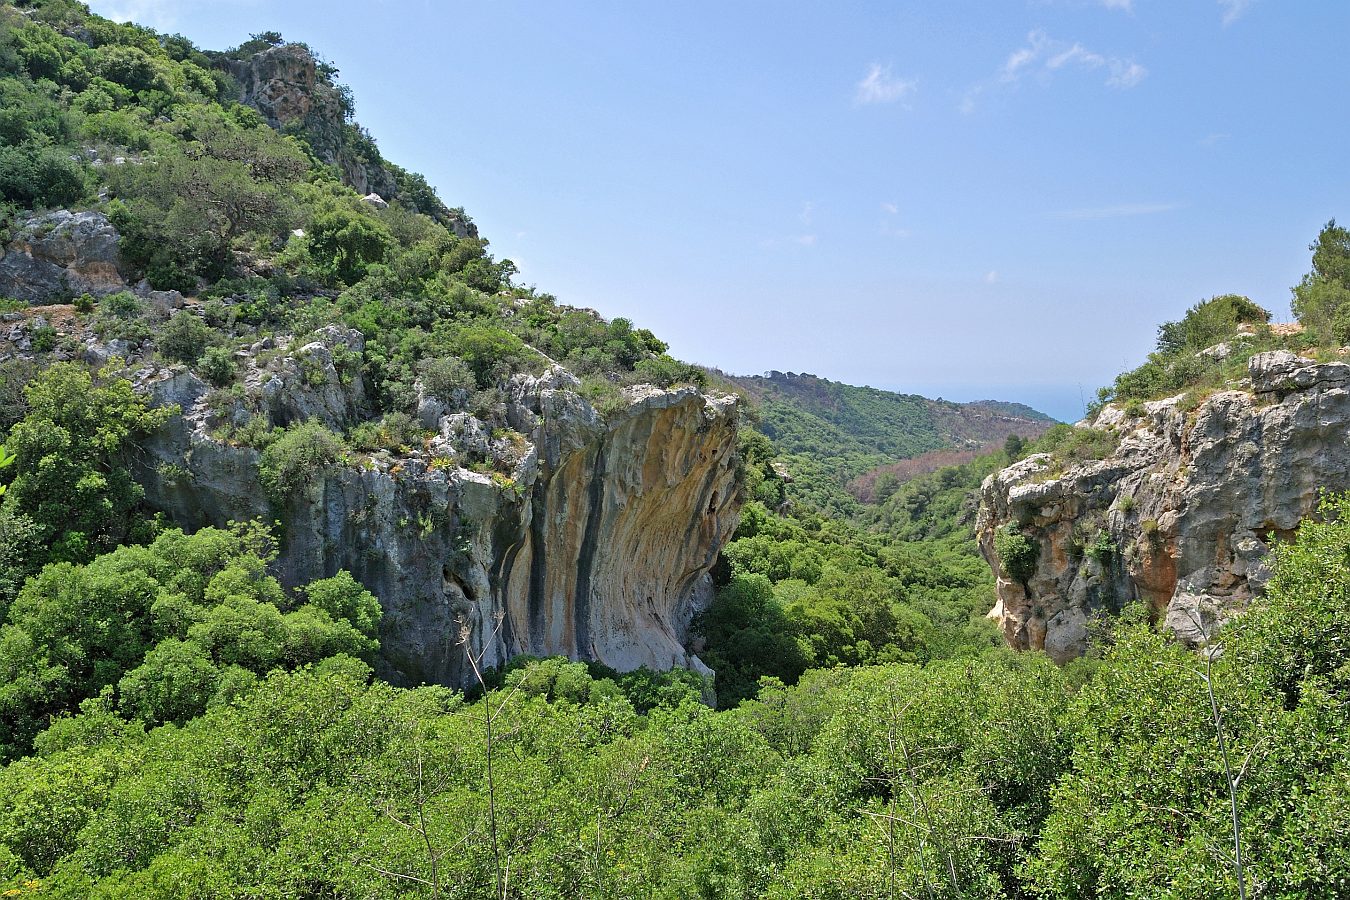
x,y
831,433
182,716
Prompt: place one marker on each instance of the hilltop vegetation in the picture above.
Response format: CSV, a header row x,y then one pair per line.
x,y
1208,349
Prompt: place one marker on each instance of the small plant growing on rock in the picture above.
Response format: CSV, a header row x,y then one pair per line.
x,y
1102,548
44,339
84,303
1016,552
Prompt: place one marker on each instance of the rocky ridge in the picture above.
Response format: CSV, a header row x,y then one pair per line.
x,y
1179,517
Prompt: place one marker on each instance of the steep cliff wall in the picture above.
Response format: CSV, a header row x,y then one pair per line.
x,y
596,545
1179,516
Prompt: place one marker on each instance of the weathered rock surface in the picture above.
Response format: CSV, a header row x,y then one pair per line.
x,y
1179,516
60,253
285,85
589,537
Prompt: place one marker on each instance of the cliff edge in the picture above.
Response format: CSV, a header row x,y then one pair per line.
x,y
1180,516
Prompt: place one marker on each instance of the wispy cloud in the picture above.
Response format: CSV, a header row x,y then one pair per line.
x,y
1235,9
1217,137
887,226
991,277
1043,56
1115,212
807,214
1125,5
881,86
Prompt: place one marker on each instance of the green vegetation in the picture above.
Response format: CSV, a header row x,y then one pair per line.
x,y
798,590
158,632
1016,553
72,495
831,433
1322,298
296,457
173,722
1178,363
1321,303
988,776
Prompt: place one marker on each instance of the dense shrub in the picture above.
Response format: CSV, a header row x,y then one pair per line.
x,y
304,452
73,445
184,337
217,366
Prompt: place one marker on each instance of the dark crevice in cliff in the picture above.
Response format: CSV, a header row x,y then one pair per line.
x,y
538,567
595,494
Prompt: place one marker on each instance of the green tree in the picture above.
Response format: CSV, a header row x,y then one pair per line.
x,y
72,477
344,243
1322,299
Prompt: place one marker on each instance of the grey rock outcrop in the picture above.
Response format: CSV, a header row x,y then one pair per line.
x,y
572,534
1179,516
60,253
285,84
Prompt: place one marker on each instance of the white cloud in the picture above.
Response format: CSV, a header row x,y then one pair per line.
x,y
1234,10
1126,5
1077,54
991,277
890,208
1217,137
1043,56
880,86
805,240
1125,73
1115,212
808,213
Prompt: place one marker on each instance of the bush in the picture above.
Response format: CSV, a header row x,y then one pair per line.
x,y
1017,554
395,432
39,177
217,366
184,338
446,378
302,453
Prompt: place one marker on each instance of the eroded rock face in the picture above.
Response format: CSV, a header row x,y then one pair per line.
x,y
1179,516
59,254
284,84
593,538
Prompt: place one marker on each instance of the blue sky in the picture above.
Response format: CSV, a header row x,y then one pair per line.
x,y
962,199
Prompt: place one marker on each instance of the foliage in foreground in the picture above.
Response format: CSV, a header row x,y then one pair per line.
x,y
983,777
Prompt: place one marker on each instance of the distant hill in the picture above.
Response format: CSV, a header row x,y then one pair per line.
x,y
832,433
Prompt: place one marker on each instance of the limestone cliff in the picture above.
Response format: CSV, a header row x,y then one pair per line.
x,y
589,537
1181,514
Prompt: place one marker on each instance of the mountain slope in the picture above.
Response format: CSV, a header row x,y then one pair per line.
x,y
831,433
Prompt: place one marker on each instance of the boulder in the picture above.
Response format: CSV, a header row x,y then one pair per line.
x,y
59,254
